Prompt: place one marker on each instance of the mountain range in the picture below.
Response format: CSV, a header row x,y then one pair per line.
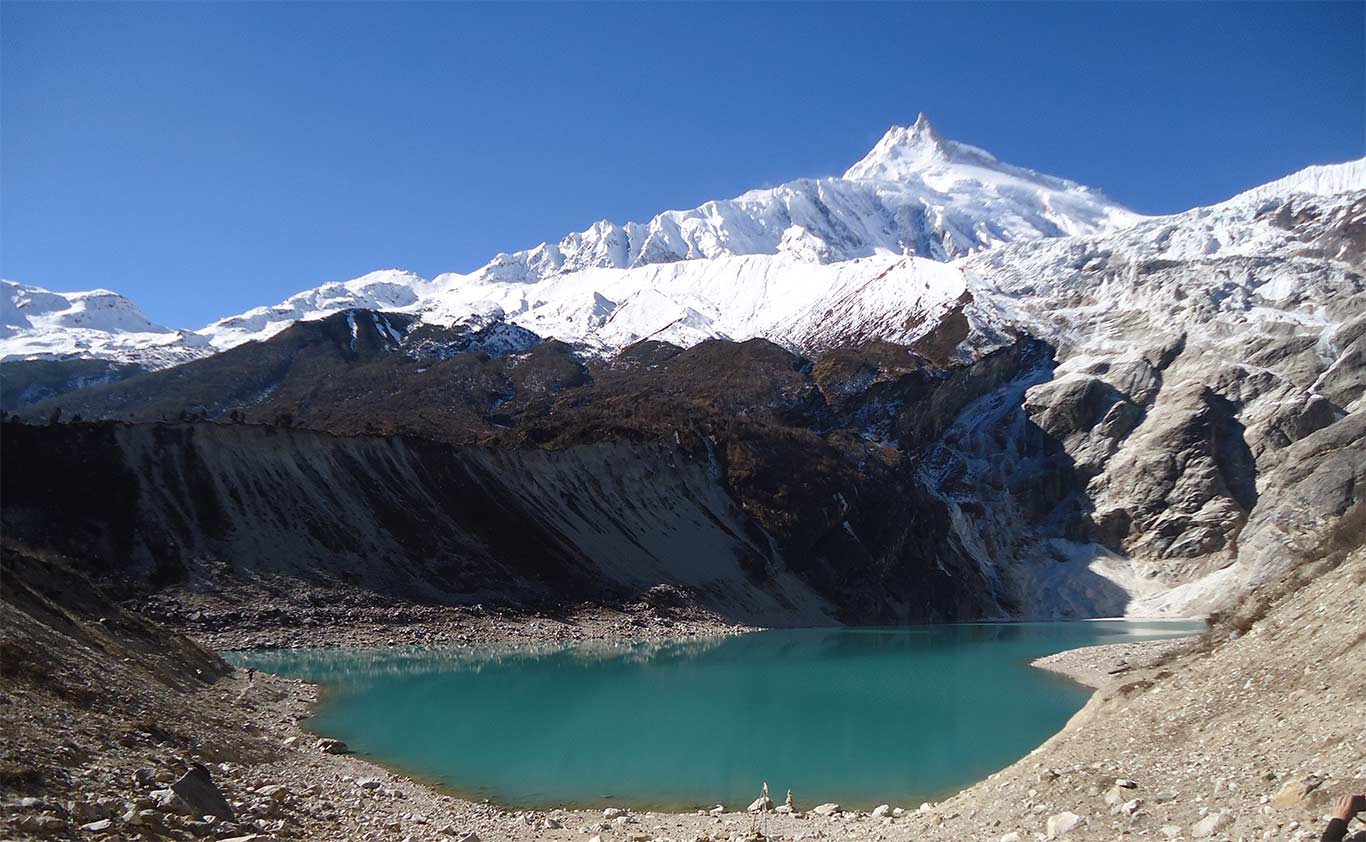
x,y
937,387
739,268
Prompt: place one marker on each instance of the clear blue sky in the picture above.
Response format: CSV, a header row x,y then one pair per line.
x,y
206,158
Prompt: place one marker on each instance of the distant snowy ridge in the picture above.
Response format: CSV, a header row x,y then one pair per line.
x,y
97,324
881,252
1320,180
387,289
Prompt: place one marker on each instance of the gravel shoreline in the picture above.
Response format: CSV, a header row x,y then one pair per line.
x,y
1096,666
249,618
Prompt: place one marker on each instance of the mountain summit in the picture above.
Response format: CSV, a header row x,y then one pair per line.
x,y
913,193
903,150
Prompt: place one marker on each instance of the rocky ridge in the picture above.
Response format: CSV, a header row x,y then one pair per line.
x,y
1189,355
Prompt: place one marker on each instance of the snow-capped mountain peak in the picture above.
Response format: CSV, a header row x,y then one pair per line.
x,y
875,252
903,151
914,193
727,267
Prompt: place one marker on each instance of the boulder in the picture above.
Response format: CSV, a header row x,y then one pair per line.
x,y
828,809
327,745
762,804
882,811
1294,792
197,790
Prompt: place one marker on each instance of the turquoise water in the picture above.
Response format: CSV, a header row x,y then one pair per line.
x,y
858,716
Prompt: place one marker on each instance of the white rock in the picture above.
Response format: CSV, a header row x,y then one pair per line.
x,y
1063,823
882,811
827,809
1211,824
1013,836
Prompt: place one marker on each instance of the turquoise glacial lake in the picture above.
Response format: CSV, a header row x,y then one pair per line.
x,y
857,716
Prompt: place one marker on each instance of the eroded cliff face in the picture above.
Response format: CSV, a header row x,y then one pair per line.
x,y
188,504
1145,490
